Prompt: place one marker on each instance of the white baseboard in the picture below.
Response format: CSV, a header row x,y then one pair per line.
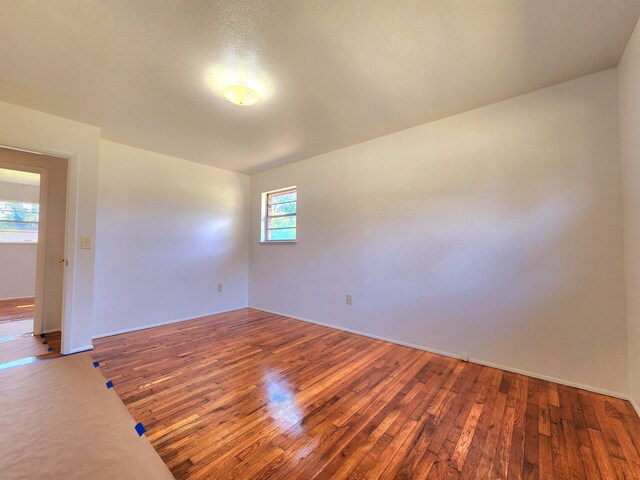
x,y
635,405
527,373
365,334
79,349
17,298
168,322
549,378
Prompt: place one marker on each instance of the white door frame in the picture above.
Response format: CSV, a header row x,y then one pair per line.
x,y
41,251
70,237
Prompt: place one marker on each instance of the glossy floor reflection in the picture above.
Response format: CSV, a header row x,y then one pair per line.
x,y
21,349
16,317
252,395
282,405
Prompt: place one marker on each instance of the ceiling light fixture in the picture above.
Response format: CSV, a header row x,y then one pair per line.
x,y
240,94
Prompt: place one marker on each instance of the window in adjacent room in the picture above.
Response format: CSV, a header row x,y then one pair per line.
x,y
19,222
279,212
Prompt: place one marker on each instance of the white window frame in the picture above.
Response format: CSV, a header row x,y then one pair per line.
x,y
265,217
37,232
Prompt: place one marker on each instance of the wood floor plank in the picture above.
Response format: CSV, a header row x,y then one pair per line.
x,y
24,349
600,454
252,395
16,309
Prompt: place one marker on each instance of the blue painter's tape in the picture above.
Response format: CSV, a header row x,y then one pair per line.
x,y
109,384
42,335
50,349
96,364
140,429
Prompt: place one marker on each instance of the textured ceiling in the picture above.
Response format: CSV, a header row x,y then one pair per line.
x,y
333,72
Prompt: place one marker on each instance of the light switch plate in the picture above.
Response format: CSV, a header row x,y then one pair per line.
x,y
85,242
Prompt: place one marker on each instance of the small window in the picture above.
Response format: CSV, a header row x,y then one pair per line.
x,y
279,211
19,222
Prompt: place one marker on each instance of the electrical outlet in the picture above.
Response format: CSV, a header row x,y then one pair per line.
x,y
219,287
349,299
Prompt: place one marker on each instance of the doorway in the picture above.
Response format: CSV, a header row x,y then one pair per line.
x,y
19,225
33,205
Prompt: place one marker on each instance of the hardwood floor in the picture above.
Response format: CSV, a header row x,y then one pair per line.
x,y
249,394
19,346
16,309
21,349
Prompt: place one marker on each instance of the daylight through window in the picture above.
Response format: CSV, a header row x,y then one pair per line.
x,y
19,222
279,215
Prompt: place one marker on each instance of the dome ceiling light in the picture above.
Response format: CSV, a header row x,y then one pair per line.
x,y
240,94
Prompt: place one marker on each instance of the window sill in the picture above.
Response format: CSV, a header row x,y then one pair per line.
x,y
277,242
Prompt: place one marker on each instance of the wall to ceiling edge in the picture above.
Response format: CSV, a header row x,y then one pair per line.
x,y
495,234
491,195
169,232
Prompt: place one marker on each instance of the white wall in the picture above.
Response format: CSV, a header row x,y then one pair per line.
x,y
629,106
21,127
18,260
169,231
496,233
18,272
19,192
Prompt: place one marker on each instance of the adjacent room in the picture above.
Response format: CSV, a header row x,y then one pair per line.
x,y
338,239
19,219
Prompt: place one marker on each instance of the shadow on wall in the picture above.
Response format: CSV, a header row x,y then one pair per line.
x,y
495,233
177,233
513,258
